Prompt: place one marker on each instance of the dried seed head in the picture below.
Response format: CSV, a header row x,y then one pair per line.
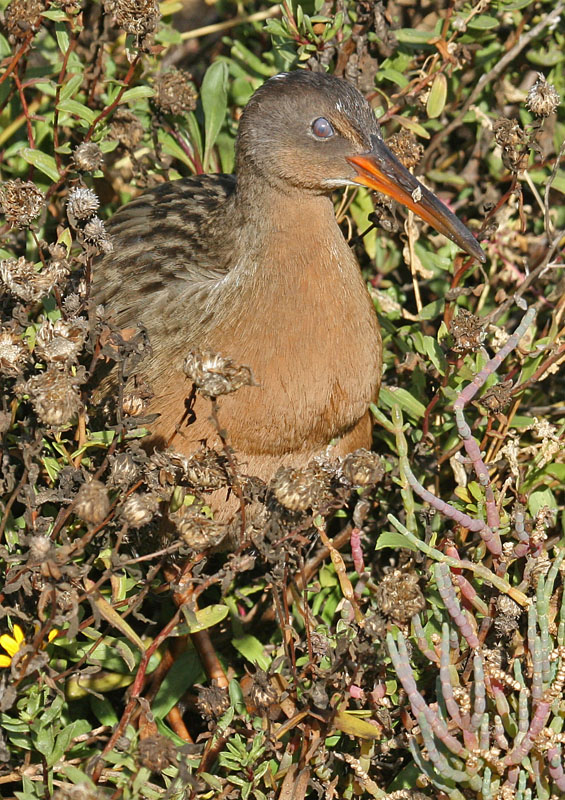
x,y
513,142
299,489
22,16
13,352
54,396
196,530
508,613
82,203
468,332
5,425
171,466
214,375
92,503
124,470
96,235
262,693
21,280
542,99
362,468
139,509
406,148
21,202
174,93
134,404
497,398
320,644
40,547
76,791
139,17
399,596
72,304
61,342
88,157
206,470
157,752
212,702
126,128
58,267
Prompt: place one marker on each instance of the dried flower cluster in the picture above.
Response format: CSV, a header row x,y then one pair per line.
x,y
542,99
138,17
13,352
406,147
21,202
213,375
55,396
82,204
468,332
126,128
514,143
21,279
22,17
88,157
174,92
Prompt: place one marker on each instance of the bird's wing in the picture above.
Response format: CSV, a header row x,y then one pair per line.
x,y
166,241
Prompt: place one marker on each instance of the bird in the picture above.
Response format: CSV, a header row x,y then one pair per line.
x,y
254,267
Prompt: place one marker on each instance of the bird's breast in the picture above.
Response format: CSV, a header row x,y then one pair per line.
x,y
313,344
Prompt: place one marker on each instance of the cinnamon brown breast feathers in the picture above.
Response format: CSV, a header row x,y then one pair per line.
x,y
254,267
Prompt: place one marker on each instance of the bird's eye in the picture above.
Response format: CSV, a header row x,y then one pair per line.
x,y
322,128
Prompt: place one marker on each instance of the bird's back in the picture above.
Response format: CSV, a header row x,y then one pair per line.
x,y
166,244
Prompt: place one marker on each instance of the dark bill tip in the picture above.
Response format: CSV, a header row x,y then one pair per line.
x,y
381,170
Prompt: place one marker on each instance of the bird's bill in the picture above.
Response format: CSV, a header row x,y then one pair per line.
x,y
381,170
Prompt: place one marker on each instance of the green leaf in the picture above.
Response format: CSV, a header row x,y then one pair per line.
x,y
103,711
76,775
69,87
394,76
44,741
435,354
62,36
411,36
251,648
136,93
52,466
432,310
361,209
205,617
393,395
42,161
537,500
52,712
516,5
185,672
437,96
545,57
78,110
483,23
410,125
55,14
394,540
214,98
168,7
69,732
172,148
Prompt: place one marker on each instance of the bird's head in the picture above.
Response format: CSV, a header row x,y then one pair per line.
x,y
315,132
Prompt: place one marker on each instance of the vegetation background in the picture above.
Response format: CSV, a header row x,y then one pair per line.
x,y
136,662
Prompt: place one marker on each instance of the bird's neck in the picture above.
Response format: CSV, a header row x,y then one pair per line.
x,y
295,293
287,240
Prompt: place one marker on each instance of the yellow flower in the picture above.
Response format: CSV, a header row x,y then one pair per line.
x,y
11,644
